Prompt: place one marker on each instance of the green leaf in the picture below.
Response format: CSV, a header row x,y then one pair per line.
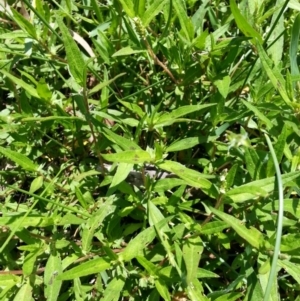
x,y
195,291
258,188
232,296
169,118
20,159
294,46
31,90
52,284
24,23
155,7
279,151
242,23
75,60
253,162
121,174
43,90
100,86
136,246
162,289
94,223
290,205
127,51
253,236
124,143
274,75
80,197
128,7
24,293
223,85
113,289
191,177
185,23
132,157
93,266
202,273
291,268
36,184
183,144
259,114
192,250
213,227
167,184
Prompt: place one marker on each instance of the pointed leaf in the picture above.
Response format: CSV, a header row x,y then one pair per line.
x,y
242,23
75,60
132,157
155,7
20,159
113,289
253,236
93,266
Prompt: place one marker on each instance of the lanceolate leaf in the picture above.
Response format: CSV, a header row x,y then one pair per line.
x,y
20,159
133,157
29,89
153,10
74,56
258,188
242,23
87,268
253,236
113,289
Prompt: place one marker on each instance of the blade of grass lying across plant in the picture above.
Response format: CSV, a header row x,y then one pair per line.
x,y
75,60
254,189
294,47
243,24
253,236
274,74
20,159
93,266
273,272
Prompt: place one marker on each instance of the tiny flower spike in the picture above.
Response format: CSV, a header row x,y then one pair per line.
x,y
139,28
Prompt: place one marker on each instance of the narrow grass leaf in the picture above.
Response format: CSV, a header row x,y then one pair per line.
x,y
20,159
52,284
75,60
242,23
185,23
155,7
253,236
113,289
274,75
162,289
132,157
28,88
93,266
136,246
258,188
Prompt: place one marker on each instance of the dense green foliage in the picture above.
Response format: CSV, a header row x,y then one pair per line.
x,y
136,142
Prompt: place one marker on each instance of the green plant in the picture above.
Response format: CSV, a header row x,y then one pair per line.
x,y
133,150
